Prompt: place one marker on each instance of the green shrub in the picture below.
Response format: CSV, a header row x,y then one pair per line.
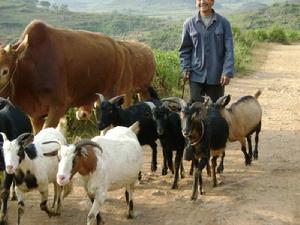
x,y
277,34
167,71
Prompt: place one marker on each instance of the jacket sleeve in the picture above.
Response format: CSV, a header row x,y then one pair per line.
x,y
228,66
185,49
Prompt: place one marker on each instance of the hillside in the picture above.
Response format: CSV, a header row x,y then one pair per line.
x,y
286,15
171,8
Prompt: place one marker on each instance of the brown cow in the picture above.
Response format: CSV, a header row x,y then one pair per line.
x,y
49,70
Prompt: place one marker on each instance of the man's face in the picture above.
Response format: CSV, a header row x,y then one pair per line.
x,y
204,5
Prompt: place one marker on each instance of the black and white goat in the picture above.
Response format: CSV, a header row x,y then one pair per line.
x,y
13,122
105,163
207,132
110,113
171,138
34,162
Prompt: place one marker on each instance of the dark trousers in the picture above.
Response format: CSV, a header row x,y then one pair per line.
x,y
198,90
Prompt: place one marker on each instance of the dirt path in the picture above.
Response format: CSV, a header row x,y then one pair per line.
x,y
267,193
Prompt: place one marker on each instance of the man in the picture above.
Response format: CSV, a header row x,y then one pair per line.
x,y
206,52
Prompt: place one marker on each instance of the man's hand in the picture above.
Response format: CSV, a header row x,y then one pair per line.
x,y
186,75
224,80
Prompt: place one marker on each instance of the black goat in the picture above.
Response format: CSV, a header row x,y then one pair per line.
x,y
171,138
13,122
111,113
207,132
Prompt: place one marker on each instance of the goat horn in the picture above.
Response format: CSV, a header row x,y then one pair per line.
x,y
24,137
116,99
48,142
81,143
176,100
101,97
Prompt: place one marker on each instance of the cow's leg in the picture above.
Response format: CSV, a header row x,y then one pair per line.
x,y
37,124
8,178
177,166
54,115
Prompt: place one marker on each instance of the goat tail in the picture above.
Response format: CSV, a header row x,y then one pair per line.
x,y
135,128
68,188
62,126
258,93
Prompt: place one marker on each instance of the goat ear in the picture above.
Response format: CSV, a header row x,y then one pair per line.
x,y
3,137
30,151
83,151
101,99
118,100
223,101
21,49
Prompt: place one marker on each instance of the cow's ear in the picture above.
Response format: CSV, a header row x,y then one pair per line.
x,y
8,49
21,49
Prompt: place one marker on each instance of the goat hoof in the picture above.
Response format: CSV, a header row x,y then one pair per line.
x,y
153,168
193,198
174,186
130,216
220,169
202,192
164,172
255,155
182,176
3,221
13,197
215,185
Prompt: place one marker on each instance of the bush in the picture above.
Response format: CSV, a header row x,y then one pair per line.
x,y
167,71
277,34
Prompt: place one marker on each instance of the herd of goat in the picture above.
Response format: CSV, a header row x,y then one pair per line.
x,y
115,160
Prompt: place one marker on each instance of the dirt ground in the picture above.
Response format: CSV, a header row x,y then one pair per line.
x,y
266,193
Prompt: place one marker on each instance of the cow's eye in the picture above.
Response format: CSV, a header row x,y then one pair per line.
x,y
4,72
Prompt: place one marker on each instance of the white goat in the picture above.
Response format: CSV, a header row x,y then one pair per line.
x,y
34,161
105,163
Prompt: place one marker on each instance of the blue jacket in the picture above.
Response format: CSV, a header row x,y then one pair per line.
x,y
207,52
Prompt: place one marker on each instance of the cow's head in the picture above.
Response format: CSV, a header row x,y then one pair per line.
x,y
9,55
107,110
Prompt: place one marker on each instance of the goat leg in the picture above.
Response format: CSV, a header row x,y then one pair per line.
x,y
177,167
95,209
13,193
220,168
214,165
249,146
20,211
8,179
154,157
129,191
244,150
255,153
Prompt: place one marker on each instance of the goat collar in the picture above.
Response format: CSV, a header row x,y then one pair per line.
x,y
200,138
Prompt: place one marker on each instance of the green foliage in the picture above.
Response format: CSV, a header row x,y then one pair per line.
x,y
167,71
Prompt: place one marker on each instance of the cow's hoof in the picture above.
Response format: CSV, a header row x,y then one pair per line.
x,y
164,171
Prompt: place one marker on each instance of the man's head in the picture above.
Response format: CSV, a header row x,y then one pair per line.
x,y
204,6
